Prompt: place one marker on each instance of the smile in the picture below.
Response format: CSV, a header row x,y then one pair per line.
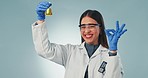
x,y
88,35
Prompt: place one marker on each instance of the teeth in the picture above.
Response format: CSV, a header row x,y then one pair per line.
x,y
88,36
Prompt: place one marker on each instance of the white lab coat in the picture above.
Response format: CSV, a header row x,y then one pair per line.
x,y
75,58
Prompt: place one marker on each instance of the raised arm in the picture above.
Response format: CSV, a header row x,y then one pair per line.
x,y
51,51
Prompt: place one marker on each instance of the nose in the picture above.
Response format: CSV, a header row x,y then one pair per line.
x,y
87,30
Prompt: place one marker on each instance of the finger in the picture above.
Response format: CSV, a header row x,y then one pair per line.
x,y
117,25
107,33
41,9
120,30
45,4
123,31
110,31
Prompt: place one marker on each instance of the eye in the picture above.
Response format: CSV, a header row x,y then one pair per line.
x,y
83,27
92,26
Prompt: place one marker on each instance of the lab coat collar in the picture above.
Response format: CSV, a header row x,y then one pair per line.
x,y
82,48
99,50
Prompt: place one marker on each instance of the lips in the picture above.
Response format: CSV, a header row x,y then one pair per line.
x,y
88,35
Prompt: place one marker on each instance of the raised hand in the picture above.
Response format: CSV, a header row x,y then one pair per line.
x,y
41,8
114,35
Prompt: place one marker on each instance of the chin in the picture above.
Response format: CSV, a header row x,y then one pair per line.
x,y
89,42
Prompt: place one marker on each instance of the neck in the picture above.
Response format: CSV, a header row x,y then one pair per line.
x,y
97,43
93,44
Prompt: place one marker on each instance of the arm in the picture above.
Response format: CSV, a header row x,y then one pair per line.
x,y
40,21
50,51
114,67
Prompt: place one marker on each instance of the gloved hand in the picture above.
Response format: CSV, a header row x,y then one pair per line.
x,y
114,35
41,8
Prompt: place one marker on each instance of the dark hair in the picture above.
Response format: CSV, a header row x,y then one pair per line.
x,y
99,19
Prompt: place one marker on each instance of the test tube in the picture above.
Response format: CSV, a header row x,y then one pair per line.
x,y
48,12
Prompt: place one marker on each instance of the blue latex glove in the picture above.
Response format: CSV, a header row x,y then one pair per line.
x,y
114,35
41,8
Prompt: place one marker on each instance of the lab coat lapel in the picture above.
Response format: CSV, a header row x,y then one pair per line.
x,y
84,51
99,50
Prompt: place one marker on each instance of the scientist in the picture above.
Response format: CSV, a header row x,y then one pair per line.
x,y
93,58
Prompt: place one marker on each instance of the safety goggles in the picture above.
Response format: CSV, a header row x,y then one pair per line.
x,y
91,27
82,25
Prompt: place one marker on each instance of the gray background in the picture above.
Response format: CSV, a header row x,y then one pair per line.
x,y
18,58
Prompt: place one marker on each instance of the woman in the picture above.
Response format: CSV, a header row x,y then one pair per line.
x,y
91,59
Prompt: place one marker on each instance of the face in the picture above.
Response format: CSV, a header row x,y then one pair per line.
x,y
89,31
